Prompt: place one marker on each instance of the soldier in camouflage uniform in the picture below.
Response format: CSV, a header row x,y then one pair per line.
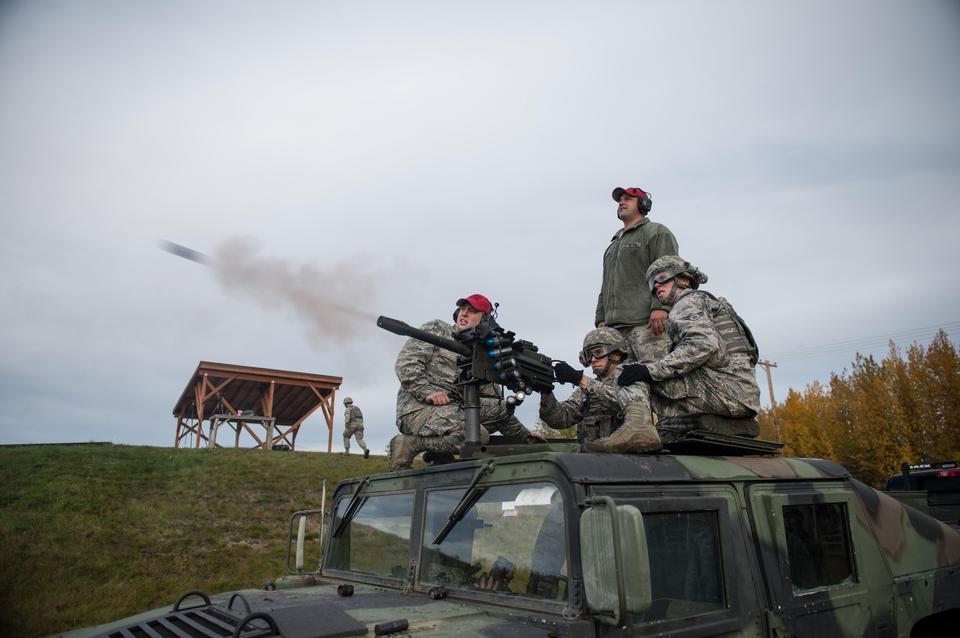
x,y
429,414
609,418
623,302
711,366
353,426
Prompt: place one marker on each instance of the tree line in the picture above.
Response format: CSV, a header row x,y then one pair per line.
x,y
878,414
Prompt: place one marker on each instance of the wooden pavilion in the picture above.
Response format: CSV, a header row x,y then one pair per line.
x,y
269,405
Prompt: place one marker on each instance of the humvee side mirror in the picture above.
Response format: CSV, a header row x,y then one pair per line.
x,y
617,582
296,540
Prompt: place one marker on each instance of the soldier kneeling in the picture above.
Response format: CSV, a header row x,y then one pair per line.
x,y
710,370
609,418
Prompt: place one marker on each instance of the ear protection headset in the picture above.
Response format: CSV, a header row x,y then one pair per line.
x,y
456,311
644,201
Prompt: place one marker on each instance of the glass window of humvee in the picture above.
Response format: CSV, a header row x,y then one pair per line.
x,y
376,540
686,572
512,541
818,545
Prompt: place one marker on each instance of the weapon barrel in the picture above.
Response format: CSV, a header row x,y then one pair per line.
x,y
398,327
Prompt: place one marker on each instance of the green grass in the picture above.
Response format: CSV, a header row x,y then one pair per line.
x,y
93,533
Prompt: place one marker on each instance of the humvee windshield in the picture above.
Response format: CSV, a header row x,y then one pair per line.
x,y
511,541
376,540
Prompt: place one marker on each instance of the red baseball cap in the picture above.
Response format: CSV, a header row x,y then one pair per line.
x,y
632,191
479,302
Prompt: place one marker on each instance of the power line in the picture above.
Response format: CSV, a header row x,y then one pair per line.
x,y
864,343
894,336
864,347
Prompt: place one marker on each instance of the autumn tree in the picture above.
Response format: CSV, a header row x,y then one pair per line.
x,y
878,414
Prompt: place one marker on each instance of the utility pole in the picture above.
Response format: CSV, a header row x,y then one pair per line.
x,y
773,402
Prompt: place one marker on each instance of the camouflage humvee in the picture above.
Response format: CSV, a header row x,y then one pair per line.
x,y
555,543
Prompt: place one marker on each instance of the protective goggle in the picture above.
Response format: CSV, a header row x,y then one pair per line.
x,y
661,277
587,355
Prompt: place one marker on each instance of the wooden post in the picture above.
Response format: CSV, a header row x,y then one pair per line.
x,y
773,402
198,392
328,416
327,408
268,411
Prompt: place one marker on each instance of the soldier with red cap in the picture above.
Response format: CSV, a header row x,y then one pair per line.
x,y
429,414
624,302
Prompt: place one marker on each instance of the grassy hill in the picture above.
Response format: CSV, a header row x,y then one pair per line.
x,y
92,533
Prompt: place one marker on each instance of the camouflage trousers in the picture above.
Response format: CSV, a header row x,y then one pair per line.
x,y
644,345
351,432
441,428
703,391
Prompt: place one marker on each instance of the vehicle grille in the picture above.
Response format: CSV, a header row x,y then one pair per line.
x,y
203,622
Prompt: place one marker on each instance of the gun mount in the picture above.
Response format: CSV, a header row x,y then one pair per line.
x,y
487,354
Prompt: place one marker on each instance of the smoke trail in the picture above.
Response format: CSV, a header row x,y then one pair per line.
x,y
324,299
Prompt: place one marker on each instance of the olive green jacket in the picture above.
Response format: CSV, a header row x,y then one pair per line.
x,y
625,299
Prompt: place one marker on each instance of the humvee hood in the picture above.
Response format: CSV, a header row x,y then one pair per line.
x,y
319,612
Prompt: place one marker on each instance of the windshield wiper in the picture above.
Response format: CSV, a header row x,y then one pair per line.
x,y
352,508
468,500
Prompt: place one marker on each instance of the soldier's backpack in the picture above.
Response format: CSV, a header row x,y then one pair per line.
x,y
733,329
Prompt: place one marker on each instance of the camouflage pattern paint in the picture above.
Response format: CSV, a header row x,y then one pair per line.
x,y
905,566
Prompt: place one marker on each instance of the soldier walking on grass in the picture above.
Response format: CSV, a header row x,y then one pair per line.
x,y
353,426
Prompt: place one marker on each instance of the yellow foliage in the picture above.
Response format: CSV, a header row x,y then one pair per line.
x,y
877,415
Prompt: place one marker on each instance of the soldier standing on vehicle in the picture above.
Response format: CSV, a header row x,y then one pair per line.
x,y
711,366
623,302
609,418
353,426
429,414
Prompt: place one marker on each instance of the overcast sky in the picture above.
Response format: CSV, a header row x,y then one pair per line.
x,y
395,156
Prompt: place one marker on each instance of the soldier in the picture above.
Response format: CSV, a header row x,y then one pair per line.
x,y
429,414
623,302
711,366
609,418
353,426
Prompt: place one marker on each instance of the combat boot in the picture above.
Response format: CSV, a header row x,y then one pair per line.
x,y
366,453
403,449
637,434
437,458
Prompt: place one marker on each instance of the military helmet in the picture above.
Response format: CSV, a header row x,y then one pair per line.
x,y
604,337
666,268
347,401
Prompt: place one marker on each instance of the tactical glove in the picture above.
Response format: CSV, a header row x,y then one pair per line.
x,y
566,373
633,373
